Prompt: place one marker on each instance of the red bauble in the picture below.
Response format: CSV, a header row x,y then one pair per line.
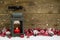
x,y
17,31
58,32
3,34
22,35
46,33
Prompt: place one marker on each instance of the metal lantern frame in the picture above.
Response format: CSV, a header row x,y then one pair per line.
x,y
19,17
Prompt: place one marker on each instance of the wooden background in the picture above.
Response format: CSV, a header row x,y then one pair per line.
x,y
37,13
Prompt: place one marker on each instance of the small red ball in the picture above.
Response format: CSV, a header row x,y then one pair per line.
x,y
22,35
17,30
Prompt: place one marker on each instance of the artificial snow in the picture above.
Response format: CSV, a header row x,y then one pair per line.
x,y
55,37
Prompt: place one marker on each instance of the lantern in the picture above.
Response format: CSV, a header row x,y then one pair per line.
x,y
17,24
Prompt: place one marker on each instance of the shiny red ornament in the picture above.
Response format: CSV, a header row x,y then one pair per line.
x,y
17,30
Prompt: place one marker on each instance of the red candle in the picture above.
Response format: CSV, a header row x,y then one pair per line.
x,y
17,30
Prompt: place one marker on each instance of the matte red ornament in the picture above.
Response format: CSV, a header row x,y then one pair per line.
x,y
3,34
22,35
59,32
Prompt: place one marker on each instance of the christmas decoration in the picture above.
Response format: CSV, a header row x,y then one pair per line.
x,y
46,33
8,33
35,32
58,32
50,32
42,31
3,32
17,24
22,35
30,32
17,30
